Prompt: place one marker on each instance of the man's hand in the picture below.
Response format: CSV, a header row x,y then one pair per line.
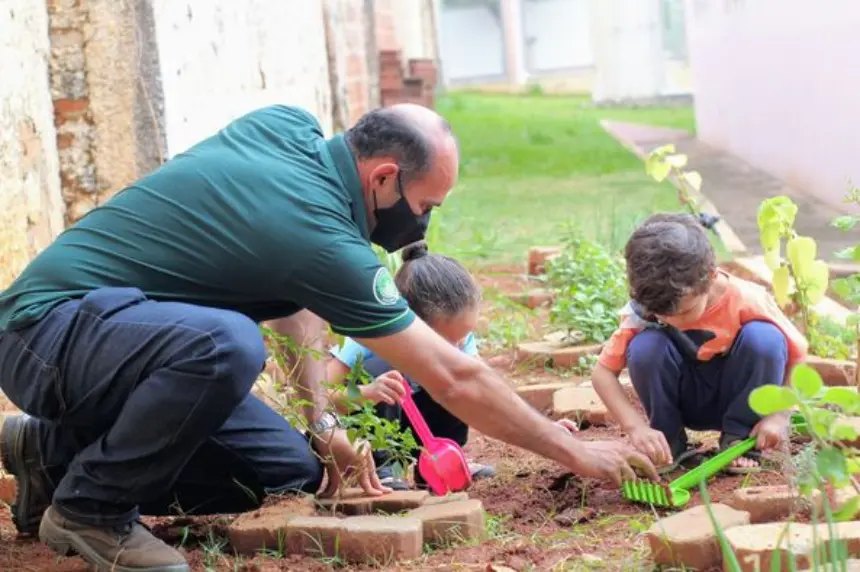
x,y
344,459
387,388
771,432
612,460
651,442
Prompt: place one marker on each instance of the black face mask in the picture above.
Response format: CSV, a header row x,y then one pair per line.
x,y
397,225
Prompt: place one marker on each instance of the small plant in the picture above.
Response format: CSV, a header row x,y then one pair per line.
x,y
664,162
799,278
590,287
848,288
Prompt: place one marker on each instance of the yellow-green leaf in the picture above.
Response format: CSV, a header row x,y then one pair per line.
x,y
772,258
663,150
769,237
781,285
806,380
800,252
659,171
816,280
694,179
677,161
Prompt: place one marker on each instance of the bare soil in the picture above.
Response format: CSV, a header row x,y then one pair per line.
x,y
540,516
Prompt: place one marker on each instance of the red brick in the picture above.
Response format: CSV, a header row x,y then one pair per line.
x,y
538,257
833,371
381,540
317,536
540,395
65,140
548,353
452,522
66,109
7,490
266,528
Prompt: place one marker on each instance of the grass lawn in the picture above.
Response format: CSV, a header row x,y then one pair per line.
x,y
533,164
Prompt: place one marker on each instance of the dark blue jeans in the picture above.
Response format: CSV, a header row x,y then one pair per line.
x,y
440,421
709,395
144,407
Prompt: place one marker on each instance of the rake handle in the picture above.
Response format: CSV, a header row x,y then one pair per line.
x,y
712,466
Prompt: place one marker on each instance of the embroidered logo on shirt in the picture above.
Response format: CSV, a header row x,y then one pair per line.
x,y
384,289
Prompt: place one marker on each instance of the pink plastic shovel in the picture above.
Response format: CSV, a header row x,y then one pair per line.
x,y
442,462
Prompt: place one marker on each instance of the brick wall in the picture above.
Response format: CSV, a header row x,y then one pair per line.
x,y
31,208
347,31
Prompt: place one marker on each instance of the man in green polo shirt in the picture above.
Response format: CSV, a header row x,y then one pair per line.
x,y
132,341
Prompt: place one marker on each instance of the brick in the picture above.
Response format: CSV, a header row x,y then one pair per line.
x,y
68,109
841,497
355,502
851,565
833,372
538,257
381,539
453,522
688,538
540,395
450,497
756,546
8,488
553,354
534,298
266,528
413,87
578,404
317,536
768,504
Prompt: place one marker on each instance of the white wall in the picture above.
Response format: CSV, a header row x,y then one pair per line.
x,y
776,82
472,43
557,35
31,207
222,58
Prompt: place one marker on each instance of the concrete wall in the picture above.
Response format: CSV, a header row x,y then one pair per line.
x,y
775,83
219,60
31,207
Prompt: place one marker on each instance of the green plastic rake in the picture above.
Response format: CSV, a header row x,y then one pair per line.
x,y
677,492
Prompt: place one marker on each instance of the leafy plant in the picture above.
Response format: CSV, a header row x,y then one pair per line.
x,y
799,278
662,163
848,288
590,287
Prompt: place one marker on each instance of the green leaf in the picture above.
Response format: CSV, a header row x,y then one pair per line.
x,y
850,253
806,380
694,179
781,285
659,171
848,510
844,397
844,433
815,282
846,222
801,252
780,211
832,466
770,399
769,237
772,258
677,161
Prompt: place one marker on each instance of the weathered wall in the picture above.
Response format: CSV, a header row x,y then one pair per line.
x,y
221,59
775,83
31,208
348,42
107,98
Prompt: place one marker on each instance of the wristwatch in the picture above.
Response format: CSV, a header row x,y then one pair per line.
x,y
327,421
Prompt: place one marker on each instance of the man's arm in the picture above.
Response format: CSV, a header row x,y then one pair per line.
x,y
475,394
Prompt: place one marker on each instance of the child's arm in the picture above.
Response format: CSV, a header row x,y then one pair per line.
x,y
609,389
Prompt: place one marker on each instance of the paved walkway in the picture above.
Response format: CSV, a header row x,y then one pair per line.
x,y
735,188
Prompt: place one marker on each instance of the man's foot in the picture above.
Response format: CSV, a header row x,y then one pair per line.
x,y
19,453
127,548
389,479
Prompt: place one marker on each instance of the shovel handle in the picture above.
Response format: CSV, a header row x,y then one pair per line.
x,y
415,417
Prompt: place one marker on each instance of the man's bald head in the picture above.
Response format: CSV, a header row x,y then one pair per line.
x,y
412,135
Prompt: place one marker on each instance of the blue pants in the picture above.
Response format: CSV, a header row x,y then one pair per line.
x,y
144,407
708,395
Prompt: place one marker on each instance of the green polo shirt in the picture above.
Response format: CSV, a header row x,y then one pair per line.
x,y
266,217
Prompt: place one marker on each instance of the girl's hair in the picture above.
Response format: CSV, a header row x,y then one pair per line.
x,y
434,285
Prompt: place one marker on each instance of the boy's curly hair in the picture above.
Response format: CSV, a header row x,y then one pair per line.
x,y
668,257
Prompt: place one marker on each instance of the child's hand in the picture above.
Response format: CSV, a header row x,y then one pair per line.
x,y
387,388
771,432
653,443
568,424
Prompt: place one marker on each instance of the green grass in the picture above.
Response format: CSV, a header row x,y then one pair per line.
x,y
532,164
